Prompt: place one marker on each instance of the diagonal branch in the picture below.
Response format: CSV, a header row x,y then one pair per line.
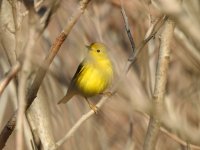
x,y
53,51
32,91
128,31
10,75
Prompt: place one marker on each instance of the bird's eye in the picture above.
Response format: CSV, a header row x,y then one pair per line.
x,y
98,51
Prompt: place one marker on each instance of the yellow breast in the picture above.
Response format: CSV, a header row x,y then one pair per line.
x,y
94,78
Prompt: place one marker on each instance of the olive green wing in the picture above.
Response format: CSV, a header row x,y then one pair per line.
x,y
72,86
78,72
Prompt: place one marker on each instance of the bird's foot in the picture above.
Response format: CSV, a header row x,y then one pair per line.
x,y
107,93
94,108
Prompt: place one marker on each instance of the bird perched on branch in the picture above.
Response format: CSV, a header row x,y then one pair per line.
x,y
93,76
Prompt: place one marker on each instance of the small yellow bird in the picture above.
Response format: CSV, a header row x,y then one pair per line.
x,y
93,76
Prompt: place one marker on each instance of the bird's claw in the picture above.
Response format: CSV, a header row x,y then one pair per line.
x,y
94,108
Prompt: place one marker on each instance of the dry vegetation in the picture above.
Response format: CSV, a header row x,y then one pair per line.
x,y
160,81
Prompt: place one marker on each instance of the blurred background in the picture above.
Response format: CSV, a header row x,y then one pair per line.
x,y
121,123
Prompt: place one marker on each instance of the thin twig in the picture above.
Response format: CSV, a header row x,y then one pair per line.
x,y
128,28
150,34
172,135
177,139
74,128
7,131
32,91
10,75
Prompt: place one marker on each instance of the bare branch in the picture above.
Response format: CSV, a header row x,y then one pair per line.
x,y
7,130
32,92
128,28
150,34
160,85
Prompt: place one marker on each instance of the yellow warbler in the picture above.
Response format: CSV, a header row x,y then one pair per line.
x,y
93,76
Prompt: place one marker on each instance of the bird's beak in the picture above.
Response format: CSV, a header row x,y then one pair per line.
x,y
87,46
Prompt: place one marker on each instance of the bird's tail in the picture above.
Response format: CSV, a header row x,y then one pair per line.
x,y
66,98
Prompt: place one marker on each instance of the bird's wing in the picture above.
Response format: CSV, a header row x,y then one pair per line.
x,y
78,72
72,89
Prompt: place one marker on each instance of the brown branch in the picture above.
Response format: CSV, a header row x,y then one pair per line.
x,y
53,51
32,91
10,75
160,86
150,34
8,129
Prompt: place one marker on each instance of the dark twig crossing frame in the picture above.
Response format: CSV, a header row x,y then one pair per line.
x,y
128,29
